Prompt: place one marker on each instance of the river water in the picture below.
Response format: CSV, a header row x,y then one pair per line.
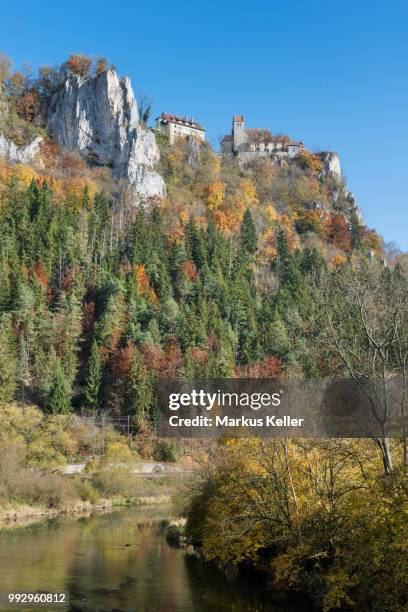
x,y
121,561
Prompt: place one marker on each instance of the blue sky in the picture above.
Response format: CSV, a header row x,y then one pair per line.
x,y
332,73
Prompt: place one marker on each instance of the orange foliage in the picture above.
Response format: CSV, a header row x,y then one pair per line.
x,y
171,361
143,283
189,269
248,192
309,161
339,233
199,355
152,356
371,240
50,153
75,187
214,195
39,272
28,105
221,220
270,367
338,260
122,360
141,278
22,173
79,64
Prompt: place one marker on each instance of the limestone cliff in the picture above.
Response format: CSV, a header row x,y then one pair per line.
x,y
23,154
331,164
98,117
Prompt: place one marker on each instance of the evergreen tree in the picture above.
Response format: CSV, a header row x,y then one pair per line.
x,y
282,253
355,232
248,237
59,397
93,378
7,360
138,390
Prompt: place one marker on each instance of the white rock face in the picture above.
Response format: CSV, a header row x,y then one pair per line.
x,y
22,155
331,164
98,117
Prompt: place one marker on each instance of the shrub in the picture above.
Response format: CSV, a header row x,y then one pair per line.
x,y
27,485
166,451
117,452
50,490
86,491
114,482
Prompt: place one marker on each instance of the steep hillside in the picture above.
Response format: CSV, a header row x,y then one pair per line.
x,y
85,110
100,296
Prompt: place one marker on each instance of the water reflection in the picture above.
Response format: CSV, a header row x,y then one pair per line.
x,y
121,561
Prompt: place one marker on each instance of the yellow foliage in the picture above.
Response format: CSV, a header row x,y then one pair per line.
x,y
118,452
46,440
214,195
271,214
20,172
74,188
310,161
248,192
338,260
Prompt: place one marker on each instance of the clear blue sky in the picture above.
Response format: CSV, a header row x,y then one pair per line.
x,y
332,73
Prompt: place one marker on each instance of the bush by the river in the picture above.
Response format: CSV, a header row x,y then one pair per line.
x,y
320,517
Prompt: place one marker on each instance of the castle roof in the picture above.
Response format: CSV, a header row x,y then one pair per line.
x,y
191,123
238,118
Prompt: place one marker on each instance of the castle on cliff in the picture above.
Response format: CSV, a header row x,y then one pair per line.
x,y
250,143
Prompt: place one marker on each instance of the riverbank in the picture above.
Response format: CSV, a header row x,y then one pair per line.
x,y
22,515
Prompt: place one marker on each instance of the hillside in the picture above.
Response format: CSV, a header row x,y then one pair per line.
x,y
104,287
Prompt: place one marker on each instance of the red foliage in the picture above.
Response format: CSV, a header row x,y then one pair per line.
x,y
199,355
171,361
89,316
79,64
270,367
50,153
68,278
72,165
28,105
122,360
151,356
42,277
339,233
189,269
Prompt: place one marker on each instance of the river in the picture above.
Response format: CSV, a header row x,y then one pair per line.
x,y
121,561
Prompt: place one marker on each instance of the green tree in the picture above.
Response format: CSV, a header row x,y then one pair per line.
x,y
7,360
248,236
93,378
59,397
138,389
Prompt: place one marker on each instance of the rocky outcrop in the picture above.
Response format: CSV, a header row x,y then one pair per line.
x,y
23,154
331,164
98,117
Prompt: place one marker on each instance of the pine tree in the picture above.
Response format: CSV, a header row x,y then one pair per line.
x,y
59,397
248,237
138,390
355,232
7,360
282,253
93,378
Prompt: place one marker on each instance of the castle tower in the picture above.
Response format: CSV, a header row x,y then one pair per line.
x,y
238,132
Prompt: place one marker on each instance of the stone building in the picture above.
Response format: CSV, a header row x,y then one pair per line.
x,y
250,143
179,127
